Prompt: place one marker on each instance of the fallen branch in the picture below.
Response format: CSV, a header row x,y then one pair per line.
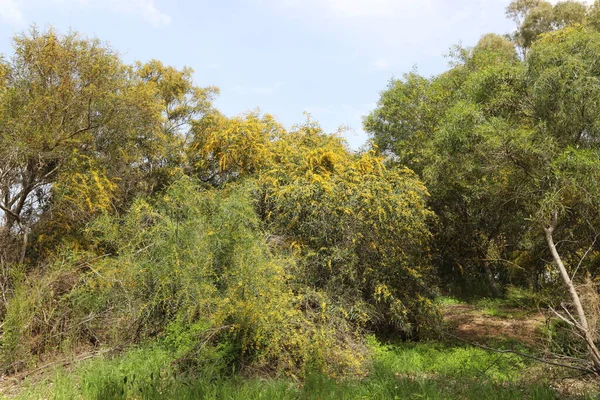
x,y
61,363
524,355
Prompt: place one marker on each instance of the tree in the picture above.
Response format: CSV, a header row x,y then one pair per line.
x,y
181,105
61,95
226,149
512,164
565,76
406,116
73,112
460,116
535,17
358,229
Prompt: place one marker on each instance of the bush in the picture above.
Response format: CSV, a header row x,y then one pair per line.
x,y
359,228
193,268
50,312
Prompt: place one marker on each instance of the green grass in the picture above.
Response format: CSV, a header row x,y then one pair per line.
x,y
426,370
517,303
404,371
500,308
448,301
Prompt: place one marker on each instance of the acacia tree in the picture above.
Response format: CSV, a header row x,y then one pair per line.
x,y
62,95
225,149
358,229
79,126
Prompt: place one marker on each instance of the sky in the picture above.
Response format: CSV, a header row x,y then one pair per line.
x,y
330,58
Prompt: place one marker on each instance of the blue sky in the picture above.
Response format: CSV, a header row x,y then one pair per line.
x,y
330,58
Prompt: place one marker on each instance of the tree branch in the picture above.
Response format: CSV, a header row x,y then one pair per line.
x,y
559,315
584,256
529,356
10,212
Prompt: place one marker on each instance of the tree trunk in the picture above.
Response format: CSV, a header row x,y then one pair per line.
x,y
24,245
581,323
491,281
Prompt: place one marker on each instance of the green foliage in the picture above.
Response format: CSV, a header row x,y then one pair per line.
x,y
406,116
135,215
192,267
536,17
359,228
399,372
560,339
563,72
47,314
516,135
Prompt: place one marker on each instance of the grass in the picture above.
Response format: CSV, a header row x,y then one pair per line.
x,y
501,308
517,303
449,301
403,371
426,370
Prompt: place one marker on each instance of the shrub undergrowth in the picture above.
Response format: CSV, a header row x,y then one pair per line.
x,y
405,371
192,268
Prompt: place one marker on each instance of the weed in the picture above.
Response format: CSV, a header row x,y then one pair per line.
x,y
404,371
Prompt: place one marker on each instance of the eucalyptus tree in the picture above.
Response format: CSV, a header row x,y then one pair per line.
x,y
564,79
512,162
535,17
449,130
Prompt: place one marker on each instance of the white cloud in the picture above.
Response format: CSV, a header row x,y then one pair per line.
x,y
356,8
146,8
13,11
381,64
260,90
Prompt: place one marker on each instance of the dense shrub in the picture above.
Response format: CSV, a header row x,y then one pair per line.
x,y
192,267
359,228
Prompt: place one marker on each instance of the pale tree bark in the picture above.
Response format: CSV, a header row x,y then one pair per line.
x,y
25,244
491,280
580,323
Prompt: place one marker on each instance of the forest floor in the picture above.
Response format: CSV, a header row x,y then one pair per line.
x,y
457,366
497,323
477,324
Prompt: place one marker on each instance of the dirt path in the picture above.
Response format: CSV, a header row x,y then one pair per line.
x,y
472,324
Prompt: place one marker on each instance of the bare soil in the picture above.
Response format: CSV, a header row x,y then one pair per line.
x,y
472,324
